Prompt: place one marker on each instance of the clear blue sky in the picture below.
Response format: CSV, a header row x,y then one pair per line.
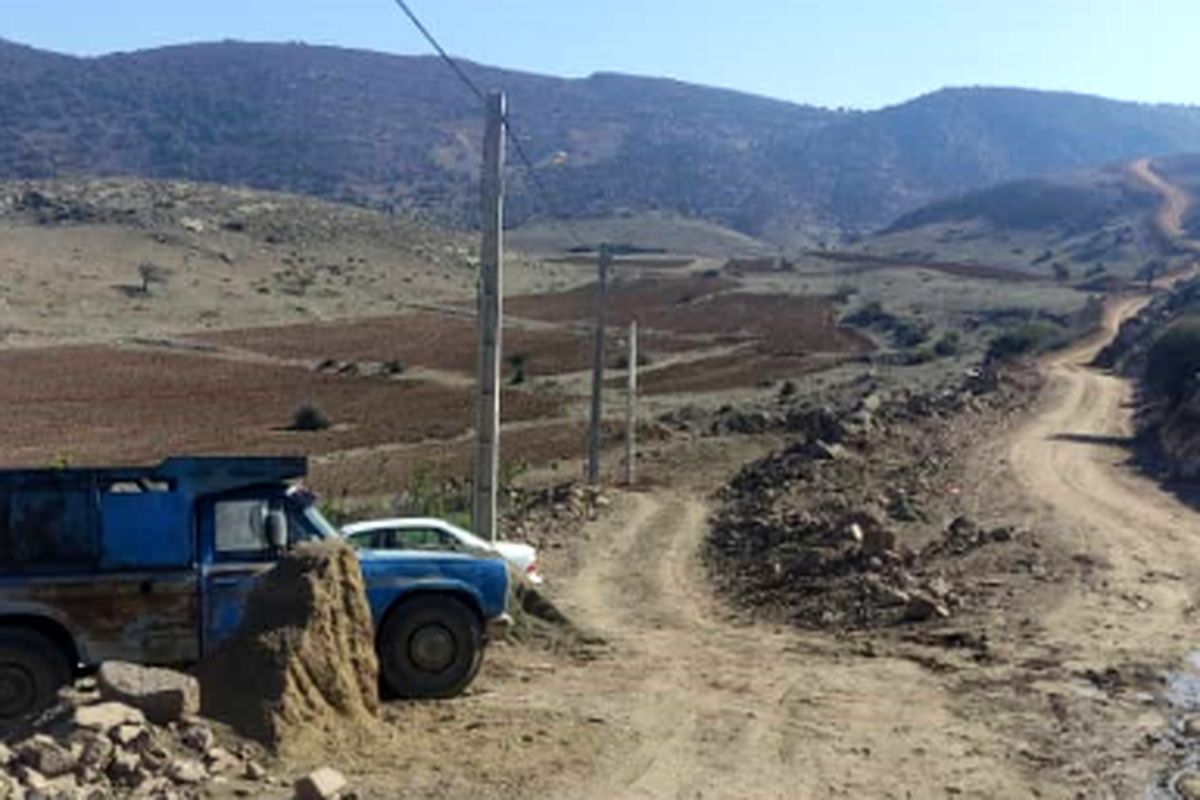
x,y
859,53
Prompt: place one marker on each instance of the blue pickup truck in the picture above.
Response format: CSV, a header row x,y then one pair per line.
x,y
153,565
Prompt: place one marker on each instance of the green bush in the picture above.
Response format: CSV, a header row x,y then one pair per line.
x,y
949,345
1174,360
1027,340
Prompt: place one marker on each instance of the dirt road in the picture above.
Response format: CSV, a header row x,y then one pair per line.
x,y
1175,204
704,708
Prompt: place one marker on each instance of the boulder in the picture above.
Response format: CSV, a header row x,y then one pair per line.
x,y
922,607
104,717
186,771
1187,785
163,695
45,755
325,783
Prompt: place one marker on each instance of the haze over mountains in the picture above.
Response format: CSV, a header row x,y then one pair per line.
x,y
375,128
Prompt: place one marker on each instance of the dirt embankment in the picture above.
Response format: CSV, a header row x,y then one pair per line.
x,y
301,675
1168,427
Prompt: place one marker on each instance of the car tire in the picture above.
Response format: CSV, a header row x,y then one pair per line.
x,y
430,647
32,670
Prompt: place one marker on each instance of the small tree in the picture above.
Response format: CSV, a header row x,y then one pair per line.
x,y
1062,273
517,362
1174,360
309,418
152,273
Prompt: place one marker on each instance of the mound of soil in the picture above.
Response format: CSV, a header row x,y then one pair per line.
x,y
847,527
301,676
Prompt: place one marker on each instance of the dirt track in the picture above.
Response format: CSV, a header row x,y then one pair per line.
x,y
1175,204
707,708
710,709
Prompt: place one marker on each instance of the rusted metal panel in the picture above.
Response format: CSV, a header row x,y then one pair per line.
x,y
140,617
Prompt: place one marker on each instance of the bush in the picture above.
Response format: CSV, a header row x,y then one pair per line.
x,y
949,345
1029,339
309,418
1174,360
517,363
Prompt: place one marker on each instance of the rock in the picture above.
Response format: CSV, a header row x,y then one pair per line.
x,y
1190,728
186,771
125,767
322,784
1187,785
155,759
95,749
47,756
198,737
219,760
104,717
878,540
255,771
31,779
922,607
6,755
163,695
128,735
9,788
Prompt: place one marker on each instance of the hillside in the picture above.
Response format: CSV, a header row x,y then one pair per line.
x,y
1082,227
399,130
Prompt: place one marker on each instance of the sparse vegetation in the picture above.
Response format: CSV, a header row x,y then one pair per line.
x,y
150,273
905,333
1173,363
1029,339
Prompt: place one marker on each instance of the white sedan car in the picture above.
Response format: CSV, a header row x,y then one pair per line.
x,y
429,533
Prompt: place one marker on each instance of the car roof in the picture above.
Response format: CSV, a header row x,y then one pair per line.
x,y
400,522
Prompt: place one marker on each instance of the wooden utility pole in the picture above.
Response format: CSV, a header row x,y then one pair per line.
x,y
593,443
631,406
491,272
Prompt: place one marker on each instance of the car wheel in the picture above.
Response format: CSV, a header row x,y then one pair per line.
x,y
32,670
430,647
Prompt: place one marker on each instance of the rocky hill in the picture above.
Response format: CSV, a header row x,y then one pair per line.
x,y
396,130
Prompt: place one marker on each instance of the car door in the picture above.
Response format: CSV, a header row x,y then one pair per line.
x,y
235,533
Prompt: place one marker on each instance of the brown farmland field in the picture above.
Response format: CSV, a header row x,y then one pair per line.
x,y
90,405
702,307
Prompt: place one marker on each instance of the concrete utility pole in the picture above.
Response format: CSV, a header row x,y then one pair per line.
x,y
593,443
631,406
491,273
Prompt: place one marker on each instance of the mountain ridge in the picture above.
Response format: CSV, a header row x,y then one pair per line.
x,y
401,132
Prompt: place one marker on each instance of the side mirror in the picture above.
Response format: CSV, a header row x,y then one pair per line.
x,y
277,529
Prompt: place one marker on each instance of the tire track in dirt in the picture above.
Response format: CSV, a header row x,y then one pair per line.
x,y
1071,459
710,709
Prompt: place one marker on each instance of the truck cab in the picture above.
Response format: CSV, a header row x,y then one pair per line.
x,y
153,565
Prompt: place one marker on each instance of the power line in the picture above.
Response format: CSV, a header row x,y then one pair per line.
x,y
462,76
534,179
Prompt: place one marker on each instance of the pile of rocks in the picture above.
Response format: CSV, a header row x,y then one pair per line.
x,y
135,732
845,527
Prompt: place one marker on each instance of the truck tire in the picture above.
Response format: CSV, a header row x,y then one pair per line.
x,y
430,647
32,670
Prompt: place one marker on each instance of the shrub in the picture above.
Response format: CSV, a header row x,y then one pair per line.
x,y
309,417
1029,339
949,345
1174,360
517,362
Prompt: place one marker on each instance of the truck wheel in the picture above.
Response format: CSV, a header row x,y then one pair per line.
x,y
430,647
32,670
